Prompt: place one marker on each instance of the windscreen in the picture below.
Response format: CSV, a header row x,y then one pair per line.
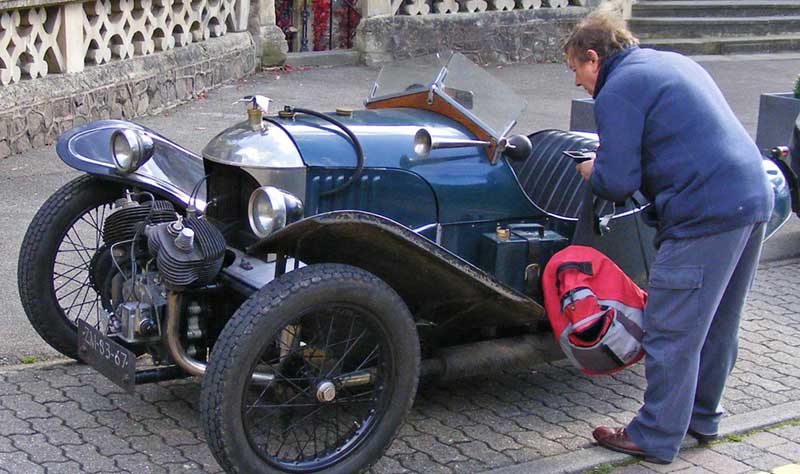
x,y
410,75
488,99
481,96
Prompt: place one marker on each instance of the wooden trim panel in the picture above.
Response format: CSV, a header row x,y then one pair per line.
x,y
419,100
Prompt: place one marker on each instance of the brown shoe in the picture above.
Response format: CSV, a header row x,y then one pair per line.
x,y
617,439
703,437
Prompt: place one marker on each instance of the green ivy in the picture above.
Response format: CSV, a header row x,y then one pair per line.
x,y
797,88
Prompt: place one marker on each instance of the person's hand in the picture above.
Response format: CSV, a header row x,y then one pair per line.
x,y
585,168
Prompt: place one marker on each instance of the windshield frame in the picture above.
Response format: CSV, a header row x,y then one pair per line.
x,y
438,86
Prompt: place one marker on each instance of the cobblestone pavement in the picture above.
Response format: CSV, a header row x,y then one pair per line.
x,y
64,417
775,450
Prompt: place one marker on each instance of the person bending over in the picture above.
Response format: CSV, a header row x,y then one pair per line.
x,y
665,129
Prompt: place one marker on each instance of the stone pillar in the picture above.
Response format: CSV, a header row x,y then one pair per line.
x,y
370,8
370,48
620,7
298,8
70,38
271,47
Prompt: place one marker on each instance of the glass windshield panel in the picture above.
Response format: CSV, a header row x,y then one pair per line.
x,y
410,75
489,102
493,103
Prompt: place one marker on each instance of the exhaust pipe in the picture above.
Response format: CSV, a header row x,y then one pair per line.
x,y
172,329
450,363
176,350
492,356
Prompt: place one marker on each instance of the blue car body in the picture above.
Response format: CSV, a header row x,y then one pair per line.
x,y
446,204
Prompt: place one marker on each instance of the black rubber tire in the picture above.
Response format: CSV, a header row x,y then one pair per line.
x,y
267,312
37,255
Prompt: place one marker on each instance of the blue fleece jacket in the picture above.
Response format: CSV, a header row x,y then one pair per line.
x,y
666,129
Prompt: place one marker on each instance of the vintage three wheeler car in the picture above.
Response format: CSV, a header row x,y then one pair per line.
x,y
313,267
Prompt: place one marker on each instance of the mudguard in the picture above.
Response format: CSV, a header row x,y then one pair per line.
x,y
172,172
779,179
437,285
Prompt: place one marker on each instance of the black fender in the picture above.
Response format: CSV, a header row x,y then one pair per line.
x,y
437,285
791,179
172,172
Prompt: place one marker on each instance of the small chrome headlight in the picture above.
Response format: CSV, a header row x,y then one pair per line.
x,y
422,143
267,211
130,149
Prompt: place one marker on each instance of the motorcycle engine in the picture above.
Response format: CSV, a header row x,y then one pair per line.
x,y
123,224
186,252
133,295
189,252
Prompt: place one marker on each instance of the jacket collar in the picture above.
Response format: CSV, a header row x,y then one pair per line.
x,y
608,65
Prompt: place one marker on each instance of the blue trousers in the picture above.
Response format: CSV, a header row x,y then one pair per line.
x,y
697,290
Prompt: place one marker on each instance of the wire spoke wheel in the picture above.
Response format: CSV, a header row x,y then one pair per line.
x,y
75,285
312,413
315,372
65,268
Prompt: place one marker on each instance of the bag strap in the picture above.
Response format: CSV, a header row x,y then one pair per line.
x,y
585,229
583,267
637,222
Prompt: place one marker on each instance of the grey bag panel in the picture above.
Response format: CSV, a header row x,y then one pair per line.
x,y
620,345
575,295
630,317
619,341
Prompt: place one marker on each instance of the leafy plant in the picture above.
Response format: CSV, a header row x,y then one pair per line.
x,y
797,87
29,359
601,469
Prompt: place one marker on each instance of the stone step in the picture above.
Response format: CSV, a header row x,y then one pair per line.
x,y
676,27
687,1
716,8
735,45
337,57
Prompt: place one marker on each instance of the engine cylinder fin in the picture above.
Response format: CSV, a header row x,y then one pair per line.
x,y
181,268
208,237
123,224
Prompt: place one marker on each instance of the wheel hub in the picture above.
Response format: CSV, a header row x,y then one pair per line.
x,y
99,266
326,391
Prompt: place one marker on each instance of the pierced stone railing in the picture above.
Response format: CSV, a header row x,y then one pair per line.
x,y
423,7
40,37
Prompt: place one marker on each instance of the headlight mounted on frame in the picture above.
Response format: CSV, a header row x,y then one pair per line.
x,y
270,209
130,149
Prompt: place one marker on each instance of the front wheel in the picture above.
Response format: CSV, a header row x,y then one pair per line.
x,y
60,262
314,373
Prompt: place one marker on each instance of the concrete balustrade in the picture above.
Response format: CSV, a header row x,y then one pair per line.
x,y
41,37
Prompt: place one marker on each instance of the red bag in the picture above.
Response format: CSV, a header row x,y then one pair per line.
x,y
595,310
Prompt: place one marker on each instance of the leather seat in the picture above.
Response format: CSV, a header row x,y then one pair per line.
x,y
549,178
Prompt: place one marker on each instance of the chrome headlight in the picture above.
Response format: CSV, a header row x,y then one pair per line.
x,y
130,149
422,143
270,208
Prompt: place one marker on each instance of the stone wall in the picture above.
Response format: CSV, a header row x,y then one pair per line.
x,y
487,37
34,112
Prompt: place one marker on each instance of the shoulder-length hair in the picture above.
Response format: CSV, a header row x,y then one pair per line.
x,y
604,32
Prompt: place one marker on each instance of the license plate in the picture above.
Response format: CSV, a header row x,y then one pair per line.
x,y
109,358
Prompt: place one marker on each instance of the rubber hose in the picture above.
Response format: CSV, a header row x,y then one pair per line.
x,y
356,145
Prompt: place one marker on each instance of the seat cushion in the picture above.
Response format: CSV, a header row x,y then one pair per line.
x,y
549,177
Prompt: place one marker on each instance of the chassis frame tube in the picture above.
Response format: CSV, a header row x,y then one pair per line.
x,y
172,329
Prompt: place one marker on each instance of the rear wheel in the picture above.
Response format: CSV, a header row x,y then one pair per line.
x,y
64,265
314,373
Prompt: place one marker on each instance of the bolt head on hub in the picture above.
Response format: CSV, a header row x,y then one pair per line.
x,y
326,391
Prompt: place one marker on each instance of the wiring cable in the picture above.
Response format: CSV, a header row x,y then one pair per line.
x,y
356,145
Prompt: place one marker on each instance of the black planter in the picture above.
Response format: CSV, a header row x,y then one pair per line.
x,y
581,117
777,113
